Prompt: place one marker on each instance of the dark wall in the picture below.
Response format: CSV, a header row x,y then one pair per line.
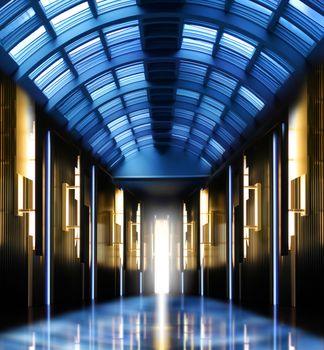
x,y
257,265
67,268
107,268
216,272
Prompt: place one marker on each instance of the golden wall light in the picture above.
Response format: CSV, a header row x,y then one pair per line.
x,y
257,225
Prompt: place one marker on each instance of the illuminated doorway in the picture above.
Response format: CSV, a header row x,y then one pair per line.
x,y
161,256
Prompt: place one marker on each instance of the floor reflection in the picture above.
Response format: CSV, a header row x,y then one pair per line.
x,y
159,323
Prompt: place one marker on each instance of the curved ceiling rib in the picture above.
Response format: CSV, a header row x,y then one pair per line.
x,y
126,75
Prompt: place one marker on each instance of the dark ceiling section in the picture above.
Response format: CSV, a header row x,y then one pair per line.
x,y
160,38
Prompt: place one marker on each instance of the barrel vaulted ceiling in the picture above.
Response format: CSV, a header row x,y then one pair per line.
x,y
184,82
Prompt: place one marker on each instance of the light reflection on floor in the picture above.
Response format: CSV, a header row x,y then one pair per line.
x,y
159,323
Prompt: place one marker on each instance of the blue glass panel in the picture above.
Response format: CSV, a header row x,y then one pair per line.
x,y
205,121
271,4
142,127
117,123
130,74
198,38
185,114
70,101
225,135
249,101
43,66
216,146
123,38
199,134
58,84
130,153
145,140
84,50
124,135
188,96
139,96
101,85
54,7
50,73
91,61
294,36
16,30
71,17
251,97
238,43
269,71
111,107
199,32
213,108
76,111
252,11
235,121
221,83
181,129
307,18
111,5
127,146
218,4
196,145
98,137
88,122
12,9
30,45
125,48
140,115
194,72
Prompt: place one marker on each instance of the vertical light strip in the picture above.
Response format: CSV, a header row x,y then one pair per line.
x,y
230,233
121,277
48,170
275,217
182,282
93,230
141,282
202,278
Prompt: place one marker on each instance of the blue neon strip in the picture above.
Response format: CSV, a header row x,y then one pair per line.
x,y
202,278
275,217
48,169
93,229
121,278
230,233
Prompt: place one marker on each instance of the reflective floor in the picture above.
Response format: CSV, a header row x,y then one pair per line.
x,y
159,323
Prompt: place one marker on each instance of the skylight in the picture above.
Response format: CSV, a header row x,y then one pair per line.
x,y
21,51
111,5
117,123
123,38
130,74
198,38
238,45
71,17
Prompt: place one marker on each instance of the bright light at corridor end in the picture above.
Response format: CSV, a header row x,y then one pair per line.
x,y
161,256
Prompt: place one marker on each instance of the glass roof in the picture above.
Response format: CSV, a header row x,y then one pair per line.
x,y
220,65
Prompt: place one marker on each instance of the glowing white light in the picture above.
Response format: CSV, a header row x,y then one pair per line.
x,y
161,261
93,234
48,218
230,233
